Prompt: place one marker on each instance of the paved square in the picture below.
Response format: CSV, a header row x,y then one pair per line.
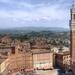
x,y
40,72
47,72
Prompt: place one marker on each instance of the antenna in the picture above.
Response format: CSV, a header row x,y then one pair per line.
x,y
72,3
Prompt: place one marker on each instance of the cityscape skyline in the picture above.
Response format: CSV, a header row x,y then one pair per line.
x,y
41,13
37,37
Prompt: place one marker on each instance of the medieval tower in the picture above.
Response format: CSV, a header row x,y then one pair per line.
x,y
72,38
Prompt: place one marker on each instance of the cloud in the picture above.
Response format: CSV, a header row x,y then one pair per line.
x,y
41,12
23,13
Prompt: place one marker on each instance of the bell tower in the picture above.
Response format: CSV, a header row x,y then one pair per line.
x,y
72,38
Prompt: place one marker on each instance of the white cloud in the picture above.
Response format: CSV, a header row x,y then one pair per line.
x,y
49,12
38,13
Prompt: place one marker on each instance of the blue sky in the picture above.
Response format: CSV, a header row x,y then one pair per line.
x,y
34,13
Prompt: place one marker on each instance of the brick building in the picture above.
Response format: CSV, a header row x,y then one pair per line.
x,y
16,61
63,60
42,59
72,37
19,59
6,40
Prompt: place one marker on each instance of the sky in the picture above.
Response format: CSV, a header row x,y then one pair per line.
x,y
34,13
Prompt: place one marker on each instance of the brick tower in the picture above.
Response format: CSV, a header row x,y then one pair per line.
x,y
72,38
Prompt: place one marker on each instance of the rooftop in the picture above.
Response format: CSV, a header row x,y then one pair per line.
x,y
2,59
39,51
64,53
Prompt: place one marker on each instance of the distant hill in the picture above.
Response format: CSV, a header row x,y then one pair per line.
x,y
29,33
23,30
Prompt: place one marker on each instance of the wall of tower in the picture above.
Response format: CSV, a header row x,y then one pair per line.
x,y
72,38
73,45
73,51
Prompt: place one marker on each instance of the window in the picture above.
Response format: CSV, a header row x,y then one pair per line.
x,y
74,16
13,50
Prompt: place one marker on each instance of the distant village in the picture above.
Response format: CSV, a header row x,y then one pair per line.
x,y
34,54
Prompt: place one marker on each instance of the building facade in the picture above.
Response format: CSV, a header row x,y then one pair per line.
x,y
19,59
16,61
42,59
63,60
